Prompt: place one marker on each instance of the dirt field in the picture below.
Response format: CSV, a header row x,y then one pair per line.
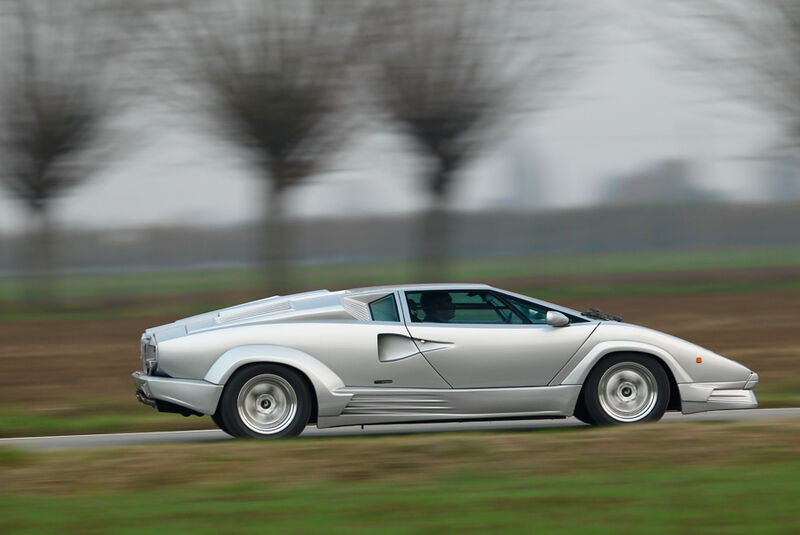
x,y
61,370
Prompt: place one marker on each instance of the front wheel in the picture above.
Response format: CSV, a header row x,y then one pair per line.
x,y
265,401
626,389
217,418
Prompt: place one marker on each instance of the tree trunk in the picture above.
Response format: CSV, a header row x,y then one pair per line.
x,y
275,241
38,256
434,240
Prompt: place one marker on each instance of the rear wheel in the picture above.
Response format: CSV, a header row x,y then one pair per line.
x,y
265,401
581,414
625,388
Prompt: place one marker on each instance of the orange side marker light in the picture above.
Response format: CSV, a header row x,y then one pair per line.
x,y
699,360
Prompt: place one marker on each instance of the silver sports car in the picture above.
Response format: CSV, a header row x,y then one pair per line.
x,y
423,353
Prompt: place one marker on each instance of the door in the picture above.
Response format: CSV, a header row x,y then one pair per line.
x,y
484,339
375,352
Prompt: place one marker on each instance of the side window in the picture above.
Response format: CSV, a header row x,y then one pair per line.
x,y
535,313
384,309
441,306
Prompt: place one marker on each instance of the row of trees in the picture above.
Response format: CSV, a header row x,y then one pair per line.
x,y
291,82
288,82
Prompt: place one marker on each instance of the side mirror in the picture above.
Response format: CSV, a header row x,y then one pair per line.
x,y
556,319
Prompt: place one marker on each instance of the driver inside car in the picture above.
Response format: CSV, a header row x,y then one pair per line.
x,y
438,307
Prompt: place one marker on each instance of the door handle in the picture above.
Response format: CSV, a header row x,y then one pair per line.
x,y
432,345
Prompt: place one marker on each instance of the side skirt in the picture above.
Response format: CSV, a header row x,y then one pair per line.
x,y
406,405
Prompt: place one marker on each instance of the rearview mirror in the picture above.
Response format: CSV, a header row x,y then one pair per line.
x,y
556,319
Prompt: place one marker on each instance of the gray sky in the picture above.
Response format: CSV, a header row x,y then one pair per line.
x,y
632,106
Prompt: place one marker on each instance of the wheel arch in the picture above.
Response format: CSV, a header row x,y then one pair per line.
x,y
578,373
299,372
321,379
674,393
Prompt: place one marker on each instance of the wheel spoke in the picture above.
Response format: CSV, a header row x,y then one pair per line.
x,y
627,392
267,404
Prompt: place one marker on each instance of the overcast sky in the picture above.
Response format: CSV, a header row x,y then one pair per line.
x,y
631,106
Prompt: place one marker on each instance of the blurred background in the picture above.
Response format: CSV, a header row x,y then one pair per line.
x,y
248,135
166,157
162,158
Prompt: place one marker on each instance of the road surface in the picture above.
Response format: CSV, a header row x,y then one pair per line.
x,y
177,437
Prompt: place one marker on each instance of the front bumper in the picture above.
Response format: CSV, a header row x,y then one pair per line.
x,y
701,397
198,396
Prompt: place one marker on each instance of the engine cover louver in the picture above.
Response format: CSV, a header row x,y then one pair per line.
x,y
357,309
260,309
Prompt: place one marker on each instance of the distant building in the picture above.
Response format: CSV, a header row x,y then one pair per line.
x,y
666,182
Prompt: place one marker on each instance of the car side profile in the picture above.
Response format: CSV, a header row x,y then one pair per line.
x,y
424,353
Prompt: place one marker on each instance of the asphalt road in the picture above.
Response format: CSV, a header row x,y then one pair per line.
x,y
178,437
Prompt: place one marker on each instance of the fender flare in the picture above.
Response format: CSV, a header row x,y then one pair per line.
x,y
579,373
323,379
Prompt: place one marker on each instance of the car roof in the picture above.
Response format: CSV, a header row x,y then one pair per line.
x,y
423,286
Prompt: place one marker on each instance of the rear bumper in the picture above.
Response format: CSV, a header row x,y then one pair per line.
x,y
701,397
197,396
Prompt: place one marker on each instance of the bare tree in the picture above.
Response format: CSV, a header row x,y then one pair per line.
x,y
450,74
751,47
271,75
54,98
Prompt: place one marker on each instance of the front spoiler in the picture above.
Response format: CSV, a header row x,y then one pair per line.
x,y
198,396
701,397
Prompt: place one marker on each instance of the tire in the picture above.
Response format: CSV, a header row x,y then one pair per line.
x,y
265,401
581,414
624,389
217,417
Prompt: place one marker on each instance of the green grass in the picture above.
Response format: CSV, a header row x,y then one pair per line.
x,y
343,275
638,262
745,499
176,292
10,457
662,478
133,417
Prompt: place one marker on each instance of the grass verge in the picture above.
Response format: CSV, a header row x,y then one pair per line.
x,y
16,421
684,478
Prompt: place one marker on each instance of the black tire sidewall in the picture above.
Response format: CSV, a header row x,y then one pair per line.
x,y
581,414
229,412
217,417
591,400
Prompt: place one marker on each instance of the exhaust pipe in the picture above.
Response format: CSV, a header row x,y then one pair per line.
x,y
144,399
